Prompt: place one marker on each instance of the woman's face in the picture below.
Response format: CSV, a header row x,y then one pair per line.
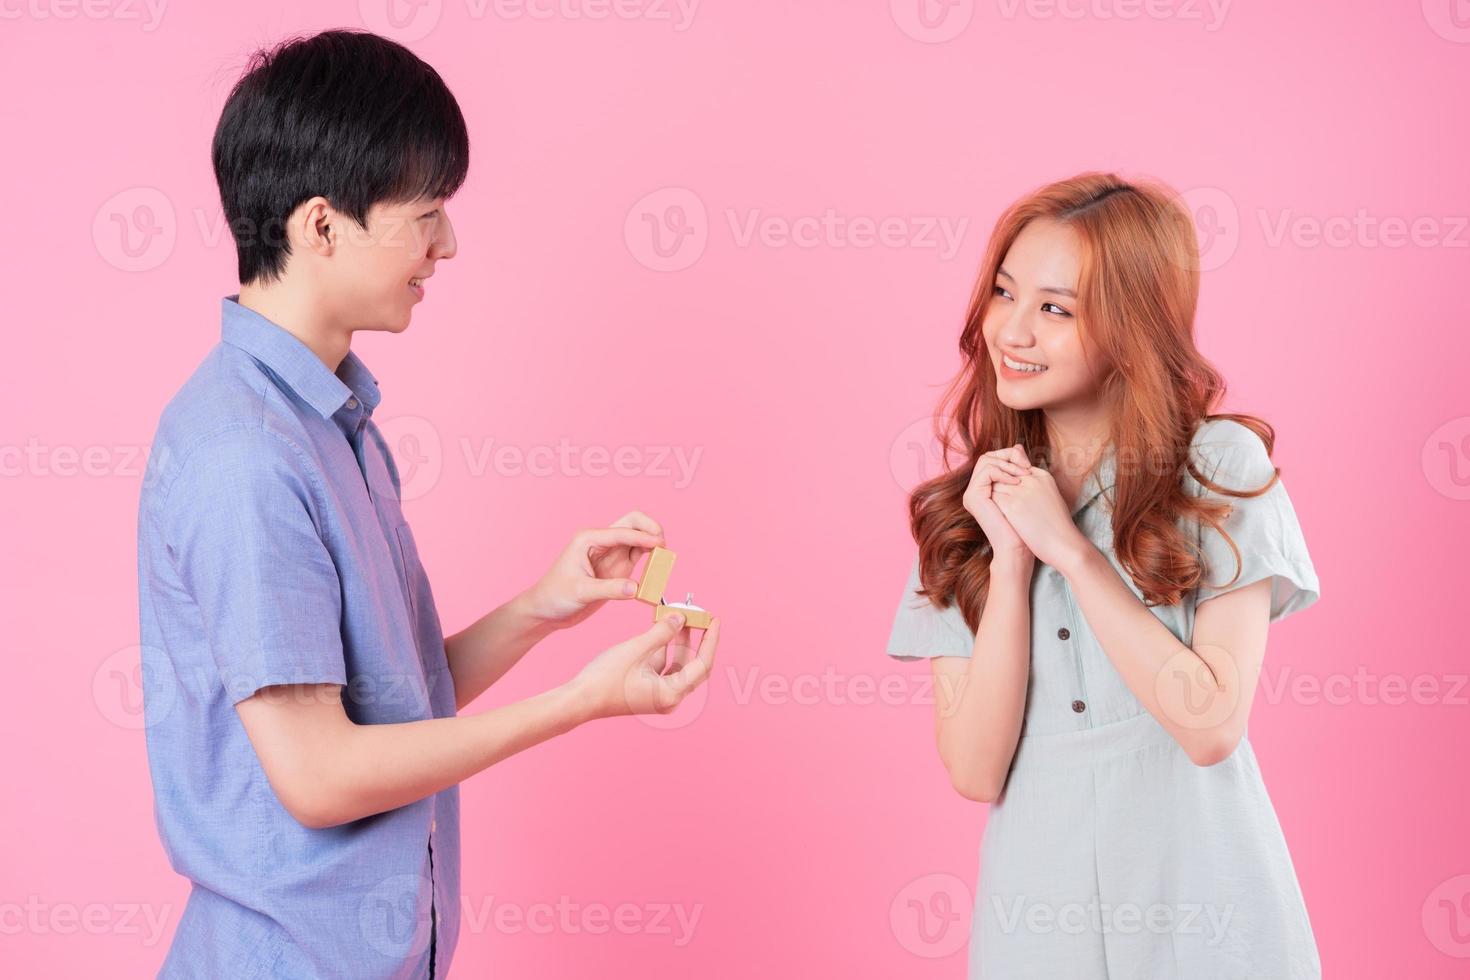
x,y
1032,318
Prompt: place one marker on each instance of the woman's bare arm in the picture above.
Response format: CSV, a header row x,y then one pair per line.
x,y
1201,693
981,700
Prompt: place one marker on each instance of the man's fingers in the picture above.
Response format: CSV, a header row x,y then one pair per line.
x,y
677,685
680,650
656,662
644,658
607,537
659,635
697,670
641,521
590,590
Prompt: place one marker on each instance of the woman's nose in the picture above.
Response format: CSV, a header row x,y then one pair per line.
x,y
1016,330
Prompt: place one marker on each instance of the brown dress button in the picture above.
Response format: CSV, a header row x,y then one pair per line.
x,y
1063,633
1079,706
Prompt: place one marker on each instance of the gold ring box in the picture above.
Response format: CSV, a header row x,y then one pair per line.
x,y
651,587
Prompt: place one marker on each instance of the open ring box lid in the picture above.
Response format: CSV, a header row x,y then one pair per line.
x,y
651,587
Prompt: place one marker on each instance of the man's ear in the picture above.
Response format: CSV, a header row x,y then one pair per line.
x,y
314,224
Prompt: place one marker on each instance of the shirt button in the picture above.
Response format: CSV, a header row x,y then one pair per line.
x,y
351,402
1079,706
1063,633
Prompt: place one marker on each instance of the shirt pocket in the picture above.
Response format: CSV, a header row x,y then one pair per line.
x,y
423,616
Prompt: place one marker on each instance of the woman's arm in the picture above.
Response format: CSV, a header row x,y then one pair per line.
x,y
1201,694
981,700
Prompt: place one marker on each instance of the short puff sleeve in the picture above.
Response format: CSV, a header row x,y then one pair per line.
x,y
1264,528
922,630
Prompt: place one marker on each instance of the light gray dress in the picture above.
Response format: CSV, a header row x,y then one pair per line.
x,y
1110,853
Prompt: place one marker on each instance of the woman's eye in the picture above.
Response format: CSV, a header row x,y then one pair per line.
x,y
1001,291
1054,308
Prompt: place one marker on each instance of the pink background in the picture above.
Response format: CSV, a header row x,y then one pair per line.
x,y
798,805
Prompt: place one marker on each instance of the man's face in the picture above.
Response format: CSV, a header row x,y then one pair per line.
x,y
379,272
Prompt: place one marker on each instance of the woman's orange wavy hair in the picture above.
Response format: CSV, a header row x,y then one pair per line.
x,y
1138,288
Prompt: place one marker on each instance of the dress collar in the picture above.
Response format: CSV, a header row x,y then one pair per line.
x,y
1102,477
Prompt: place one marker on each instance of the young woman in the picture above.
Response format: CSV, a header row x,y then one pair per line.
x,y
1093,586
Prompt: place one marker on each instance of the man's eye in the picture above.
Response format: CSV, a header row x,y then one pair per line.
x,y
431,214
1054,308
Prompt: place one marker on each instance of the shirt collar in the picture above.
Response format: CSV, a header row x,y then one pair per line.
x,y
295,363
1102,478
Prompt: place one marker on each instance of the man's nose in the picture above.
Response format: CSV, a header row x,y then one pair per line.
x,y
445,244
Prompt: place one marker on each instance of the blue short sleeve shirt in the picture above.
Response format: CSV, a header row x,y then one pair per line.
x,y
272,549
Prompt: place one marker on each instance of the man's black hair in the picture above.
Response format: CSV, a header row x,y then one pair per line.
x,y
349,115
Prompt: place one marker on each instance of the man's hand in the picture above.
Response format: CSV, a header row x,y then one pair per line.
x,y
594,568
648,674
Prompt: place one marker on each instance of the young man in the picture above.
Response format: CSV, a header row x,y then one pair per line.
x,y
300,696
